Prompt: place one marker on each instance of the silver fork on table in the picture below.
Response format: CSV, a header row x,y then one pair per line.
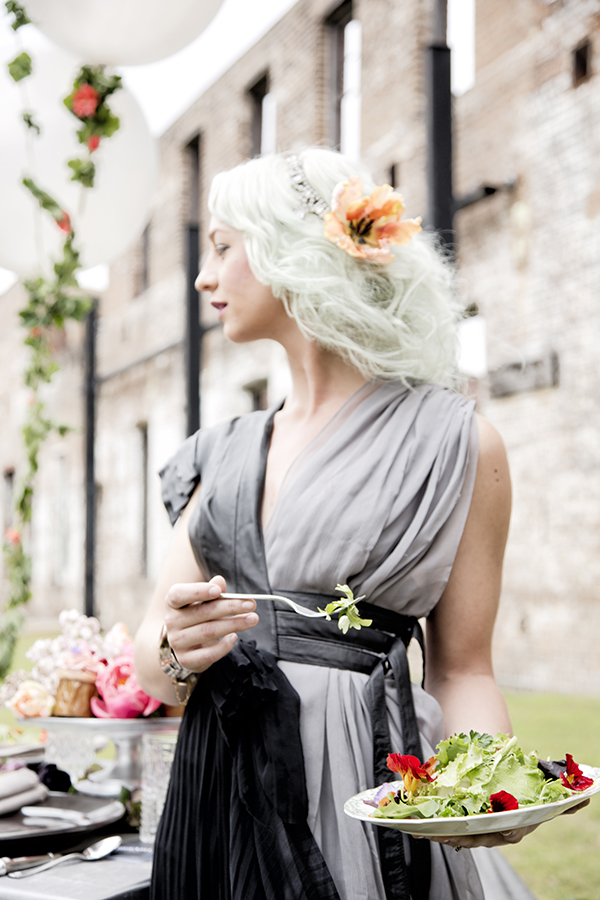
x,y
301,610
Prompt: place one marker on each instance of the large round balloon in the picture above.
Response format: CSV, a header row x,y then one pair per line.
x,y
107,217
122,32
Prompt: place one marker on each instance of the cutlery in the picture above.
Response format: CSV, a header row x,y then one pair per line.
x,y
8,864
301,610
56,812
96,851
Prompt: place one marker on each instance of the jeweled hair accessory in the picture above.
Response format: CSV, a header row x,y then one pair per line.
x,y
310,202
366,226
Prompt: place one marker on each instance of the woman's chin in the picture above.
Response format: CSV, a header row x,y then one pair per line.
x,y
240,335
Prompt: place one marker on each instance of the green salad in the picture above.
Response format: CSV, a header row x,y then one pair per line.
x,y
472,774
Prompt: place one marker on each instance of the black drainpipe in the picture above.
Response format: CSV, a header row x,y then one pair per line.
x,y
90,439
193,331
439,130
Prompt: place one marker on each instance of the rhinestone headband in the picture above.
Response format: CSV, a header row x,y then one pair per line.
x,y
310,202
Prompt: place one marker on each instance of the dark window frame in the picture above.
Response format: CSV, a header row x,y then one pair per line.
x,y
335,24
582,62
256,94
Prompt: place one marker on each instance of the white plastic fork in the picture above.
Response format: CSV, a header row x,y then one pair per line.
x,y
301,610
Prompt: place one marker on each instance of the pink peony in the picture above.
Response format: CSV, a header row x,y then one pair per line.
x,y
122,697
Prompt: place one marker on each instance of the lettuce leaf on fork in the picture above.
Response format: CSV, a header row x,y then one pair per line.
x,y
346,610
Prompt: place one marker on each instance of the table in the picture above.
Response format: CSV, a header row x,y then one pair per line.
x,y
125,875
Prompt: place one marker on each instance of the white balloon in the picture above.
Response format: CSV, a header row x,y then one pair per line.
x,y
107,217
122,32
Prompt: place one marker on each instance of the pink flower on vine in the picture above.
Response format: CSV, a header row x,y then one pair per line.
x,y
12,536
35,332
93,142
85,101
64,223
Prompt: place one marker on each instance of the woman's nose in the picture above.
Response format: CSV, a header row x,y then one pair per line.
x,y
206,280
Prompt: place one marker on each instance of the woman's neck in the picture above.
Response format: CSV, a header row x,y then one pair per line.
x,y
321,381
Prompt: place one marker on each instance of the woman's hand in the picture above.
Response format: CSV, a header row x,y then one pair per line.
x,y
496,838
201,627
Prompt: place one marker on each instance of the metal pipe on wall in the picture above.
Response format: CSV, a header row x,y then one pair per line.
x,y
90,474
439,129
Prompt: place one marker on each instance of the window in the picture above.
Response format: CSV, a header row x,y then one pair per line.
x,y
61,518
143,469
264,117
193,180
143,280
9,497
345,79
258,391
582,62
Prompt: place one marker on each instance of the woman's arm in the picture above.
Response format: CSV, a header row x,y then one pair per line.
x,y
201,628
459,630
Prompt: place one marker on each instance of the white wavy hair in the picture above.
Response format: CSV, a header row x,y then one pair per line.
x,y
394,321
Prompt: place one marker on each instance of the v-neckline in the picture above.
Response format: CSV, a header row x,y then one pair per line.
x,y
266,445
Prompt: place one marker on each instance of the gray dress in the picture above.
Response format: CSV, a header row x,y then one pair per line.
x,y
377,500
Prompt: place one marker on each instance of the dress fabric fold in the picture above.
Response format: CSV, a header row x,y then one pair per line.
x,y
378,500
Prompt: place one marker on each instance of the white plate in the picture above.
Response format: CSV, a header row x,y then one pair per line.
x,y
484,823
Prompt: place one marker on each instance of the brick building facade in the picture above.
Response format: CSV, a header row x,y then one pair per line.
x,y
527,261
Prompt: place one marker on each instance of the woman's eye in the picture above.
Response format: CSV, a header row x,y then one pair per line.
x,y
221,248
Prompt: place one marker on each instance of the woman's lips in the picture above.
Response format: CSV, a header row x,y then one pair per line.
x,y
218,306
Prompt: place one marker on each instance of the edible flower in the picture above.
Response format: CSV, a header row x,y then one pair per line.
x,y
413,771
366,226
502,801
573,778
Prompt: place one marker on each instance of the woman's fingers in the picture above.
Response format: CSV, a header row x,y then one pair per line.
x,y
574,809
199,612
201,627
181,595
216,641
494,839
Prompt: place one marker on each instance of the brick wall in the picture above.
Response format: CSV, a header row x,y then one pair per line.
x,y
528,258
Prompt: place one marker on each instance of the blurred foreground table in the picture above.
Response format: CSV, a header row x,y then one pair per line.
x,y
125,875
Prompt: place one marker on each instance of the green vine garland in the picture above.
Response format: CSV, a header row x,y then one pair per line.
x,y
51,302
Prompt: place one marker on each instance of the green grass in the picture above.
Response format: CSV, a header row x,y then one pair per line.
x,y
561,859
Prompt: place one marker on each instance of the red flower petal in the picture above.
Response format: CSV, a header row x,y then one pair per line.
x,y
406,764
64,223
574,779
85,101
502,801
93,142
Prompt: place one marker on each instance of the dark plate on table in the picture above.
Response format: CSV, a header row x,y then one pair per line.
x,y
100,811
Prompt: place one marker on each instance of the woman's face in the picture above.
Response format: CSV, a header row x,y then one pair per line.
x,y
247,308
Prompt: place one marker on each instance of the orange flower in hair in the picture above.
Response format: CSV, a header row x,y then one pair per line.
x,y
366,226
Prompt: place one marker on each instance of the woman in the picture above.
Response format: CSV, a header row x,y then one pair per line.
x,y
373,472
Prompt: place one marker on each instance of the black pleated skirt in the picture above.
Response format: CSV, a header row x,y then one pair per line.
x,y
234,825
